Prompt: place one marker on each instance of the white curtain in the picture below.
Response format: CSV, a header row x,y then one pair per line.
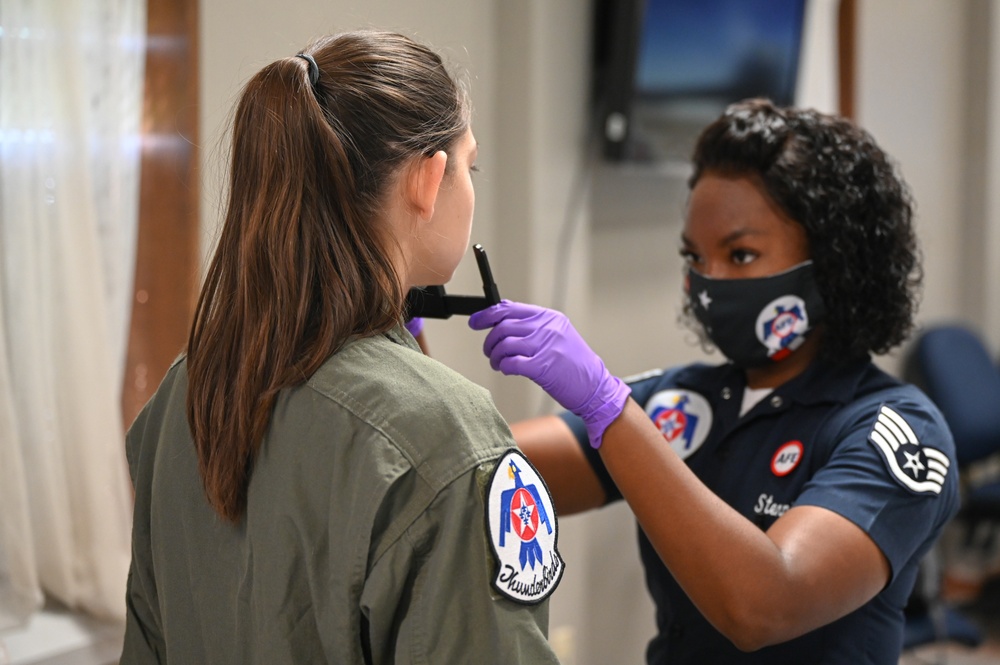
x,y
71,86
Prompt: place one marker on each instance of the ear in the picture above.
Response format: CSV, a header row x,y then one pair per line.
x,y
424,182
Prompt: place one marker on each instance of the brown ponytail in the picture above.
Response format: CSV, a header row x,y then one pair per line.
x,y
302,263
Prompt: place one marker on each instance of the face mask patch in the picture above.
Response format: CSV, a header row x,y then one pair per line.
x,y
782,326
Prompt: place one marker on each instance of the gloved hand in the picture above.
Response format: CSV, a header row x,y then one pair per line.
x,y
415,325
542,345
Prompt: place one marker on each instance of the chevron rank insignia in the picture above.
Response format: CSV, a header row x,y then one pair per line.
x,y
917,467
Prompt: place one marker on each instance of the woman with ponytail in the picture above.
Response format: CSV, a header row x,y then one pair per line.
x,y
309,486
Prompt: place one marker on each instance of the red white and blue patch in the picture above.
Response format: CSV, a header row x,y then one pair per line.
x,y
523,531
782,325
916,467
683,417
786,458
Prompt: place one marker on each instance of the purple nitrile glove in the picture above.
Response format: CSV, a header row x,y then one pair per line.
x,y
542,345
415,325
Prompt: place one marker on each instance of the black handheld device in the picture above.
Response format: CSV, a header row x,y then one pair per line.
x,y
432,302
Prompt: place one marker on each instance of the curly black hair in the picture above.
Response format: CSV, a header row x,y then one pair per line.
x,y
829,175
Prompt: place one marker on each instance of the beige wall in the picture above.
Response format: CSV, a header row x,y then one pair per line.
x,y
926,83
911,97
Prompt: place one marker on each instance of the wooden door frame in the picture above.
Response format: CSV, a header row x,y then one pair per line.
x,y
846,55
167,256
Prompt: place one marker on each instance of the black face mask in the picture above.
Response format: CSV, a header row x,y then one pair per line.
x,y
757,321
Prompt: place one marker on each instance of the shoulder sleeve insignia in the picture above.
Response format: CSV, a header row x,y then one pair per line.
x,y
916,467
684,418
523,531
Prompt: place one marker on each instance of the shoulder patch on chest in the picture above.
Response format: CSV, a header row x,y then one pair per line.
x,y
523,531
684,417
917,467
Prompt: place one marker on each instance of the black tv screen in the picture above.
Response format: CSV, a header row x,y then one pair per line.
x,y
666,68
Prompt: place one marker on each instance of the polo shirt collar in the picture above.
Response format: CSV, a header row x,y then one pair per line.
x,y
821,382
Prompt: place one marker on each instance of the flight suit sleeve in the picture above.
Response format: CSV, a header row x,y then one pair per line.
x,y
143,639
429,598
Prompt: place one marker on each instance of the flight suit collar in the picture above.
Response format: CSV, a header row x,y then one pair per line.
x,y
400,336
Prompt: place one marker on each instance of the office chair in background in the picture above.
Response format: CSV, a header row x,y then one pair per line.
x,y
952,365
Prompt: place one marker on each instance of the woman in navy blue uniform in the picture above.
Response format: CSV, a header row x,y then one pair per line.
x,y
786,496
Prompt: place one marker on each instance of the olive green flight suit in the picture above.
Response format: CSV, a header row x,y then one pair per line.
x,y
365,536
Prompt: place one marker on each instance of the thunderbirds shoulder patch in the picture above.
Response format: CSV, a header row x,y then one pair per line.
x,y
683,417
523,531
917,467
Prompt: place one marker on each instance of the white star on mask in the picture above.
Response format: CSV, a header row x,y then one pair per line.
x,y
705,300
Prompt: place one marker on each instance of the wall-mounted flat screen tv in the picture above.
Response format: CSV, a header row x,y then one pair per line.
x,y
666,68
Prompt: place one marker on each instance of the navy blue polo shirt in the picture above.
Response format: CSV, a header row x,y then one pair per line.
x,y
849,438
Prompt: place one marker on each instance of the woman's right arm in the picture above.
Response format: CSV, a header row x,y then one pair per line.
x,y
551,447
811,567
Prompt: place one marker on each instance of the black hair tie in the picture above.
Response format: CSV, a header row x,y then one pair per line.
x,y
313,68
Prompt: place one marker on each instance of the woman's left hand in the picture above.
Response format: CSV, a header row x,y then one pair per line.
x,y
415,325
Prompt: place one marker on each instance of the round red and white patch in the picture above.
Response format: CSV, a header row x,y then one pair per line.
x,y
786,458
